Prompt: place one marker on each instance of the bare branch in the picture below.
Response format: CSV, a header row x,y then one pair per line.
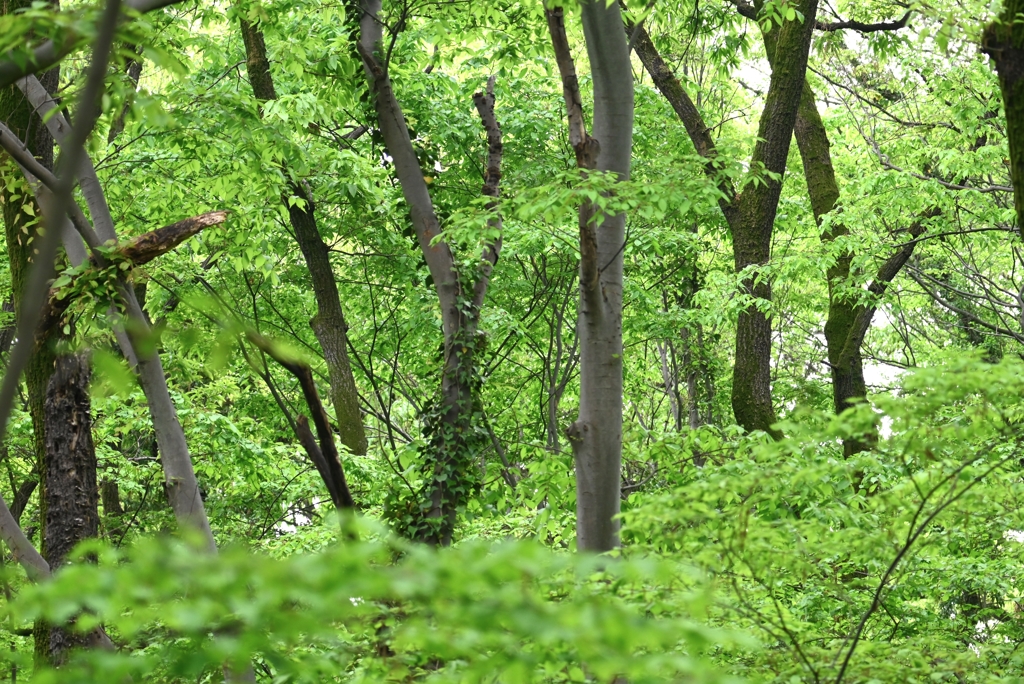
x,y
324,456
747,10
149,246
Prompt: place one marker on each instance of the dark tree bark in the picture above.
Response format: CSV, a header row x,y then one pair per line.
x,y
456,440
324,455
329,324
181,485
596,435
21,229
71,478
847,321
72,496
1003,41
847,372
752,236
22,496
750,214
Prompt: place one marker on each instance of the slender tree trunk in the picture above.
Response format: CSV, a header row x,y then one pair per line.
x,y
847,374
596,435
823,190
329,323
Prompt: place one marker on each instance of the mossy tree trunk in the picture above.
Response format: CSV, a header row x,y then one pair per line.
x,y
22,219
823,190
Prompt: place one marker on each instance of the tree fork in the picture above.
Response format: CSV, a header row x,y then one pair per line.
x,y
323,455
449,470
750,215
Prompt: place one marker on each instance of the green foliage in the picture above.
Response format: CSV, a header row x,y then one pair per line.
x,y
742,557
902,559
481,612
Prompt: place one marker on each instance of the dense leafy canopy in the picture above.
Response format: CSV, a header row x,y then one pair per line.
x,y
743,557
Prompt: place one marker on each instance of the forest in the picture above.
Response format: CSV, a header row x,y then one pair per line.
x,y
512,341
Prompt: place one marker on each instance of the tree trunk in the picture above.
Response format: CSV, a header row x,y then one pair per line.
x,y
456,438
752,236
72,497
751,214
179,476
596,435
329,323
1003,41
823,190
22,228
847,374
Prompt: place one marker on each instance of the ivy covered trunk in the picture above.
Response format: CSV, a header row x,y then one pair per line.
x,y
456,434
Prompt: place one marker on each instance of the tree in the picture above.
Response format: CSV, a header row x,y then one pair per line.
x,y
1003,41
750,212
329,324
455,438
596,435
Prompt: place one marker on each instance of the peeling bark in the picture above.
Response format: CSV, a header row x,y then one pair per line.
x,y
149,246
72,497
